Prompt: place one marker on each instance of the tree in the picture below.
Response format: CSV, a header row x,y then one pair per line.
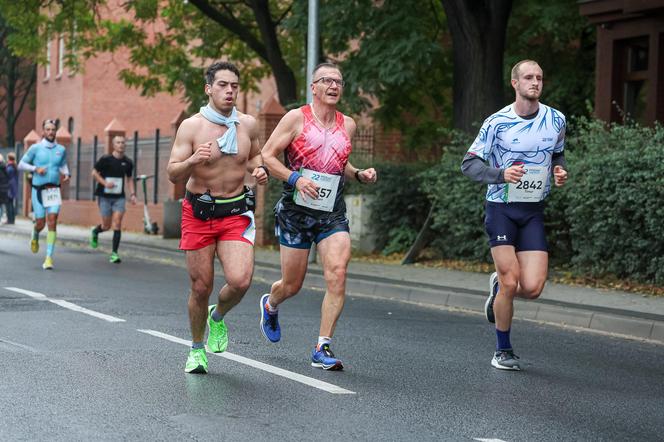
x,y
400,61
17,81
169,42
562,41
478,37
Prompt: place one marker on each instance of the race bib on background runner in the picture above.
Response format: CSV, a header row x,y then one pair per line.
x,y
531,187
327,191
115,190
51,197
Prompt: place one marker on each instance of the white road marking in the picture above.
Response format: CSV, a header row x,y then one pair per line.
x,y
488,440
16,344
65,304
330,388
35,295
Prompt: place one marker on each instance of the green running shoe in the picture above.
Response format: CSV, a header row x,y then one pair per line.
x,y
34,245
94,238
114,258
197,361
218,337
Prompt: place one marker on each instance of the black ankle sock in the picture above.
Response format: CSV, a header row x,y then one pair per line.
x,y
116,240
97,230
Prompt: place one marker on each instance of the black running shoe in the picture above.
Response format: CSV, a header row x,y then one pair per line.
x,y
493,291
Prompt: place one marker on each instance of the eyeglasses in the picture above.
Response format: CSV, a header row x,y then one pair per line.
x,y
327,81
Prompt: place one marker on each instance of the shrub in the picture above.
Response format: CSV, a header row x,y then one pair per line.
x,y
458,219
615,200
399,208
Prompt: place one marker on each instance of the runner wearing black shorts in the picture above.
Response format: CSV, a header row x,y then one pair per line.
x,y
316,142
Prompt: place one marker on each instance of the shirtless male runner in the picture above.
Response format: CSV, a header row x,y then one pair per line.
x,y
213,150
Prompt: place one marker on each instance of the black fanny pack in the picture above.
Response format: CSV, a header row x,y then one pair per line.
x,y
42,187
205,206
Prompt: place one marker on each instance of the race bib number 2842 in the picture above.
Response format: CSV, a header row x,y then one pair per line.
x,y
531,186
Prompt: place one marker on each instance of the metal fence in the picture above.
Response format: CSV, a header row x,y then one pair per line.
x,y
363,146
150,157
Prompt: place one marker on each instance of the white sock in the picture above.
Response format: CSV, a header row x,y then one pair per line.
x,y
324,340
270,308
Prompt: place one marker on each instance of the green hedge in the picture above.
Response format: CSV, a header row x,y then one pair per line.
x,y
615,201
458,219
607,220
399,207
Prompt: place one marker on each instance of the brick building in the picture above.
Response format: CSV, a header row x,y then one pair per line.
x,y
94,104
630,58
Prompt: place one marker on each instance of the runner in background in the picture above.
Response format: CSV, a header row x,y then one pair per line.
x,y
47,161
110,172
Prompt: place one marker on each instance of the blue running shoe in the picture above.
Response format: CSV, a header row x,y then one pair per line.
x,y
322,357
269,321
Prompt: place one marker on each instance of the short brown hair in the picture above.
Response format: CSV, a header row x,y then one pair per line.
x,y
517,68
324,65
212,70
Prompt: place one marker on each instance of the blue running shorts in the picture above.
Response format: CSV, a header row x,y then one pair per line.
x,y
516,224
38,209
298,228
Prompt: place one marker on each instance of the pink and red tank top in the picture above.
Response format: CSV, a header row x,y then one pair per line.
x,y
320,149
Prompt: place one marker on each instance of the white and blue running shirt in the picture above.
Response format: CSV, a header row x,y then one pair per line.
x,y
506,138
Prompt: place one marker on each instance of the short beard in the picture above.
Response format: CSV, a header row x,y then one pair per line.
x,y
50,138
530,98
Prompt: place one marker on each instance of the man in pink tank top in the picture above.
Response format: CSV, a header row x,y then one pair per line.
x,y
316,142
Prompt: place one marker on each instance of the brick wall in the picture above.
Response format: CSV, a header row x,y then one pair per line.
x,y
86,213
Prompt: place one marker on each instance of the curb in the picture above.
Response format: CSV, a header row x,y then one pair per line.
x,y
626,323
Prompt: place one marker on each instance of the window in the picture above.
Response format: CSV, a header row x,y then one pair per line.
x,y
70,126
61,56
631,87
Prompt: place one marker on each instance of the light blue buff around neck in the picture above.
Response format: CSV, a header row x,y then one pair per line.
x,y
228,141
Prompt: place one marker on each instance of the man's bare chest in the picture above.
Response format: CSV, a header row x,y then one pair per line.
x,y
211,133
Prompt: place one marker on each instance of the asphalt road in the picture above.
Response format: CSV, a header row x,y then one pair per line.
x,y
412,372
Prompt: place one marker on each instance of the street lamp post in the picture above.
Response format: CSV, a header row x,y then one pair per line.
x,y
312,60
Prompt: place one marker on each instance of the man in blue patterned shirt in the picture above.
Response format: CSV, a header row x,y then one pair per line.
x,y
523,145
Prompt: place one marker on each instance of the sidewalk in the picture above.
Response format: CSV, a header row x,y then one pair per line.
x,y
608,311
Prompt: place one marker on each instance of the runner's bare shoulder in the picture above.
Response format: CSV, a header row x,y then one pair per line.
x,y
246,120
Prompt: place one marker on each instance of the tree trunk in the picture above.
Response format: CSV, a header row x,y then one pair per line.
x,y
10,117
422,240
478,31
283,74
267,47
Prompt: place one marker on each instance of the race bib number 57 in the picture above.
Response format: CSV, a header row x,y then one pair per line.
x,y
327,190
531,186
